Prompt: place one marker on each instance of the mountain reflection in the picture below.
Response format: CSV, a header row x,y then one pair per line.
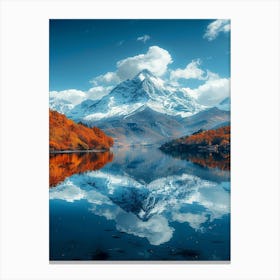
x,y
64,165
148,210
139,162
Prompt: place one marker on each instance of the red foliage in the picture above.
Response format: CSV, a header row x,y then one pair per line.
x,y
65,134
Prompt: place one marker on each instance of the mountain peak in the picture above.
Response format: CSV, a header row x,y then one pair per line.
x,y
148,80
144,74
128,96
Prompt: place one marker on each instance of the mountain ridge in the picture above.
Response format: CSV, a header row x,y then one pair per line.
x,y
128,96
146,110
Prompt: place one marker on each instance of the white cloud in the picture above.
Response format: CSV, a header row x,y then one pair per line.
x,y
108,78
194,220
212,76
155,60
73,96
67,191
216,27
98,92
212,92
63,101
216,200
191,71
156,229
144,38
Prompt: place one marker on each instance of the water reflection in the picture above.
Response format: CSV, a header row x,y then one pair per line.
x,y
64,165
149,163
151,196
147,209
210,160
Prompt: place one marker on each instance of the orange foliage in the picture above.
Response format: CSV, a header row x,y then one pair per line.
x,y
65,134
64,165
210,148
219,136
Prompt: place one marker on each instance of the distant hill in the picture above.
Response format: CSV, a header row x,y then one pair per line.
x,y
145,126
207,119
65,134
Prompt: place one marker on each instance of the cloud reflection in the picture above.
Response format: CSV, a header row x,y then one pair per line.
x,y
146,210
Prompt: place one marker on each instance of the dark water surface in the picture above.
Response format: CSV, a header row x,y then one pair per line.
x,y
138,204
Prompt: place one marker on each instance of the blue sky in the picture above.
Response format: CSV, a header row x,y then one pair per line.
x,y
82,52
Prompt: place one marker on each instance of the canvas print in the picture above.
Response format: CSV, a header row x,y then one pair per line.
x,y
139,140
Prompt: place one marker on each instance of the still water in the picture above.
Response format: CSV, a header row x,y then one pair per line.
x,y
138,204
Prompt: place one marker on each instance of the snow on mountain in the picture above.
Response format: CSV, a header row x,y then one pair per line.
x,y
82,109
60,105
63,101
144,89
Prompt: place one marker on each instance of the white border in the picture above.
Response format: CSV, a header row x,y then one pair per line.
x,y
255,138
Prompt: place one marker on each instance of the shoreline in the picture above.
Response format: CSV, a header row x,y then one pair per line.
x,y
78,151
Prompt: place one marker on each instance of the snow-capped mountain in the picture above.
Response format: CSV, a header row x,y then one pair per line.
x,y
60,105
144,89
144,110
82,109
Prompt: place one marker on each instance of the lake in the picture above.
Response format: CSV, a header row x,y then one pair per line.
x,y
137,203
